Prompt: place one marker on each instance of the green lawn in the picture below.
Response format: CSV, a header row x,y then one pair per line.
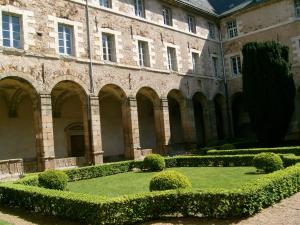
x,y
137,182
4,223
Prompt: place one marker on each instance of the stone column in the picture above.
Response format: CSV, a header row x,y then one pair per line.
x,y
131,128
96,142
44,133
86,130
212,122
188,123
165,123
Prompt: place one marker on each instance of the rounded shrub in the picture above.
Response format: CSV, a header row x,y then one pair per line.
x,y
227,147
267,162
154,162
169,180
53,179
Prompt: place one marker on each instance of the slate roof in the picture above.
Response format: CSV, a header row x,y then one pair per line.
x,y
219,7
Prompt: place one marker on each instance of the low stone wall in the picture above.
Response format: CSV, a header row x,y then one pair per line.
x,y
69,162
140,154
11,169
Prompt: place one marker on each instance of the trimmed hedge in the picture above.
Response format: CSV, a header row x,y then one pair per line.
x,y
267,162
53,179
154,162
280,150
169,180
215,203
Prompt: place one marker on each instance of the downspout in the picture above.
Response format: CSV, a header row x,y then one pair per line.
x,y
226,87
91,149
89,47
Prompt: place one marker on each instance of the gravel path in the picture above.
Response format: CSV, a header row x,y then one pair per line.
x,y
285,213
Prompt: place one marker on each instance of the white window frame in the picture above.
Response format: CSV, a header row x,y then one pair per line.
x,y
110,54
191,20
27,21
105,3
172,59
144,53
65,47
78,34
11,36
195,62
167,16
297,8
236,61
211,30
139,8
232,30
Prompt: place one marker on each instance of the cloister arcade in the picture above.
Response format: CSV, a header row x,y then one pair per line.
x,y
68,127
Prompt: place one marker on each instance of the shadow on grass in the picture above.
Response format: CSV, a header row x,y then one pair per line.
x,y
17,215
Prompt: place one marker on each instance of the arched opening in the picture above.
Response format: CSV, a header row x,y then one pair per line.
x,y
70,124
240,116
200,104
175,100
220,111
112,115
18,101
148,104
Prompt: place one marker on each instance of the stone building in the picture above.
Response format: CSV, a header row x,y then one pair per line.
x,y
87,81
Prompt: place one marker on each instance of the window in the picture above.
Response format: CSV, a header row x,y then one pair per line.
x,y
191,24
232,29
105,3
236,65
139,8
65,38
196,62
167,14
212,30
215,66
172,59
108,41
11,31
144,59
297,8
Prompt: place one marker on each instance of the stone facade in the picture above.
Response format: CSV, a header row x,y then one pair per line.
x,y
61,110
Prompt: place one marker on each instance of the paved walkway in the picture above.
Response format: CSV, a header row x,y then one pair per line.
x,y
285,213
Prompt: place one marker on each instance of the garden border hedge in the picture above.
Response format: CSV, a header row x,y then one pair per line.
x,y
217,203
179,161
280,150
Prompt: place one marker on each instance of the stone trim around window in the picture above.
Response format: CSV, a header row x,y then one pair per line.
x,y
78,35
178,56
228,68
191,51
151,49
118,43
28,25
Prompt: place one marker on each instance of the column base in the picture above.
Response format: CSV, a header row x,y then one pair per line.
x,y
46,164
97,158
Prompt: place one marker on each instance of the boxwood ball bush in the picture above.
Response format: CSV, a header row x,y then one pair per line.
x,y
169,180
154,162
268,162
53,179
227,147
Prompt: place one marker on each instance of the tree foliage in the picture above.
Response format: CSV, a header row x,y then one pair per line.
x,y
269,90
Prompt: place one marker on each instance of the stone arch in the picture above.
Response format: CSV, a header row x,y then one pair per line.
x,y
114,122
68,78
240,116
150,119
220,112
70,106
24,77
19,121
176,104
201,114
